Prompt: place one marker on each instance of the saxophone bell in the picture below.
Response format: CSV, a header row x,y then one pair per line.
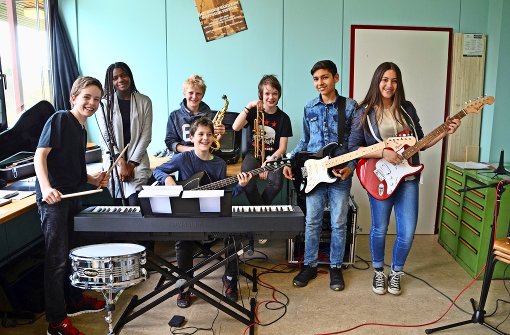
x,y
217,121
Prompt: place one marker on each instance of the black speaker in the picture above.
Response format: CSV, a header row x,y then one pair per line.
x,y
230,143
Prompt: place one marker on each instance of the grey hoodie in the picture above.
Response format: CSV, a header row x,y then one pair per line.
x,y
179,123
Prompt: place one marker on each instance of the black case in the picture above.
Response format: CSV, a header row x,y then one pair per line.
x,y
21,165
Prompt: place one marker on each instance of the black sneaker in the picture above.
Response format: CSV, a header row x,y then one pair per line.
x,y
394,282
336,279
184,299
305,275
230,288
86,305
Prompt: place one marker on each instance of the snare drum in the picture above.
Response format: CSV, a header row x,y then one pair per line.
x,y
107,266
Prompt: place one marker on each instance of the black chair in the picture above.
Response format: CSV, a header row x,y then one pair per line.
x,y
230,149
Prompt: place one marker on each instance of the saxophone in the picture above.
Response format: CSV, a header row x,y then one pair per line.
x,y
217,120
259,133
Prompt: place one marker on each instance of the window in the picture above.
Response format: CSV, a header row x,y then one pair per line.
x,y
24,55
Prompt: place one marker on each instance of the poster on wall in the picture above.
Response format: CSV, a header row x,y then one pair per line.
x,y
220,18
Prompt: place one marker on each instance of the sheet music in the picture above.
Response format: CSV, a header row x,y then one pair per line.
x,y
210,200
159,197
472,165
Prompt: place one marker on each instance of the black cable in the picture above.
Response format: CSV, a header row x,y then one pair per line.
x,y
364,262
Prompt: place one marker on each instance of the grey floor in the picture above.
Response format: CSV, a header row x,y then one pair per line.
x,y
316,309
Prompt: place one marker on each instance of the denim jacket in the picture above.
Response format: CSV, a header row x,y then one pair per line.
x,y
320,126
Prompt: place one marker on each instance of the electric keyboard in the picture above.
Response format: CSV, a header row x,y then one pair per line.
x,y
256,222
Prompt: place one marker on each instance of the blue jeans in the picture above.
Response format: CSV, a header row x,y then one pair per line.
x,y
405,202
338,195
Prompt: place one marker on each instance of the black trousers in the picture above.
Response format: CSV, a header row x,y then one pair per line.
x,y
57,225
274,183
184,251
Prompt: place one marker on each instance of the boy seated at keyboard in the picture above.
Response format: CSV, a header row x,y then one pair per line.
x,y
187,164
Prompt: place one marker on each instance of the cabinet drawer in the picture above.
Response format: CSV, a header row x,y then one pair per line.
x,y
452,195
450,219
448,238
470,234
473,208
480,192
467,254
472,221
453,173
473,215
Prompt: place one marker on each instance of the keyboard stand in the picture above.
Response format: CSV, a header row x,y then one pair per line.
x,y
172,274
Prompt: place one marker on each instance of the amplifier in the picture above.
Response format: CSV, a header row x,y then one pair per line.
x,y
296,246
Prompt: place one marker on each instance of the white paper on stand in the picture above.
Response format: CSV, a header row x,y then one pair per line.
x,y
159,197
210,200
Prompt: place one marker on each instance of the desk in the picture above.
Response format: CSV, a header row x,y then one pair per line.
x,y
16,208
232,169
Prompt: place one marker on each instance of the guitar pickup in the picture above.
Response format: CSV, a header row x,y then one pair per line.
x,y
379,174
303,172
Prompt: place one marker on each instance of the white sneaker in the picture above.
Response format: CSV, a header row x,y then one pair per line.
x,y
394,282
379,282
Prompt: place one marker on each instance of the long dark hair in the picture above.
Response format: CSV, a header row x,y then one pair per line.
x,y
109,89
373,99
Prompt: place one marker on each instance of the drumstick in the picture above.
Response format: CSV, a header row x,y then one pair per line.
x,y
115,163
77,194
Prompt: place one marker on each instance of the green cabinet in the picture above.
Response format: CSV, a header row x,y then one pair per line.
x,y
466,218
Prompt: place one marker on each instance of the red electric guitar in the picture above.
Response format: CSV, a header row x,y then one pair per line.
x,y
380,178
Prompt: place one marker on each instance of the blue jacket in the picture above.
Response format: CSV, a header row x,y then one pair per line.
x,y
320,127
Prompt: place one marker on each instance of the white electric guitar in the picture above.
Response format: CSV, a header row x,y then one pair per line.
x,y
312,169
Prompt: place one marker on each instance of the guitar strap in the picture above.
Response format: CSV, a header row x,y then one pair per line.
x,y
341,119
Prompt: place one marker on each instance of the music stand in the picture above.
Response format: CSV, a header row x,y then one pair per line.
x,y
478,315
500,170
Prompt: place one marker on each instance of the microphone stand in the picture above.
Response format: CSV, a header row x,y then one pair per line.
x,y
478,315
110,137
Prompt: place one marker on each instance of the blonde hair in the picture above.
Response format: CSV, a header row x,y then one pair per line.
x,y
194,80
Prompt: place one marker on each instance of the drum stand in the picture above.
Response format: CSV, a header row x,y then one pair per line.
x,y
111,297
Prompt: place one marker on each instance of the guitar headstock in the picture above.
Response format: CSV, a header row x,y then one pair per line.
x,y
396,143
277,164
476,105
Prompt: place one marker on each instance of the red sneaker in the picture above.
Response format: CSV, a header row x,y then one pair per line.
x,y
86,305
64,328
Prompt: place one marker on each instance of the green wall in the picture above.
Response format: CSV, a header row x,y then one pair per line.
x,y
163,43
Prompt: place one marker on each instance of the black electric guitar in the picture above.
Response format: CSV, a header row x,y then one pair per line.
x,y
194,182
311,169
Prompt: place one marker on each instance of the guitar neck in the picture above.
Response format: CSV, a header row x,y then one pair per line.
x,y
332,162
231,180
409,152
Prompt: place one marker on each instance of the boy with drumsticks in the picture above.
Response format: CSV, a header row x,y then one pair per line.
x,y
60,169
